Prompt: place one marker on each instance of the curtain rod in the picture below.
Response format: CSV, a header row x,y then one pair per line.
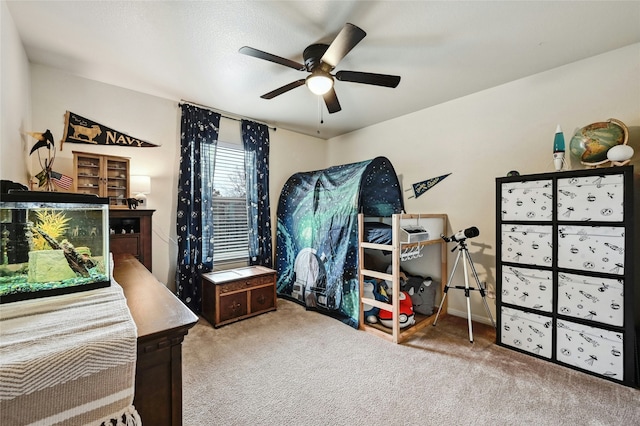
x,y
223,113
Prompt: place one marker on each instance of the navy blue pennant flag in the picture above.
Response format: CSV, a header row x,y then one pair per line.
x,y
78,129
420,188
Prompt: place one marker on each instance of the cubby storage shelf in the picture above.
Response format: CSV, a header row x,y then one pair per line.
x,y
565,270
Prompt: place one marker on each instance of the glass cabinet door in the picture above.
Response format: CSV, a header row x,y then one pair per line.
x,y
117,181
88,175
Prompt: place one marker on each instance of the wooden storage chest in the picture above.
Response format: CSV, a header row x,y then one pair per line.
x,y
235,294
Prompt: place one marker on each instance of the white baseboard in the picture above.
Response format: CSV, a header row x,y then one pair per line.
x,y
463,314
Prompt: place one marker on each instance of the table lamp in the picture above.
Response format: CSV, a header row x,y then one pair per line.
x,y
140,186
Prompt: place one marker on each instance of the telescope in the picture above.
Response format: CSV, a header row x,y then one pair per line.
x,y
462,235
463,251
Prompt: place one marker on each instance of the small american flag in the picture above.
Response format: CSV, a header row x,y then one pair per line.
x,y
63,181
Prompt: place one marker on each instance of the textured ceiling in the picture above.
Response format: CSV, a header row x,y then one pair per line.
x,y
442,50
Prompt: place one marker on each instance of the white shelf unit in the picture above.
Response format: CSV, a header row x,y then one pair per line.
x,y
436,225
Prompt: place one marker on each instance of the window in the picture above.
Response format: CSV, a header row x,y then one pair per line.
x,y
228,213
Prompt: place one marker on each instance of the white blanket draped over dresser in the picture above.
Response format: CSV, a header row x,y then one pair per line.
x,y
68,359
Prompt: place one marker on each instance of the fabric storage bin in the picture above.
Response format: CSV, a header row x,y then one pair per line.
x,y
590,348
529,288
530,200
592,198
526,331
528,244
592,248
591,298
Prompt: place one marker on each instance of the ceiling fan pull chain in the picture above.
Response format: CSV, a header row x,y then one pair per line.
x,y
320,120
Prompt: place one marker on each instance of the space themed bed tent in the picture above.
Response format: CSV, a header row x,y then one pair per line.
x,y
317,232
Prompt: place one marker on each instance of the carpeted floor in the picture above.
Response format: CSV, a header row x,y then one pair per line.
x,y
298,367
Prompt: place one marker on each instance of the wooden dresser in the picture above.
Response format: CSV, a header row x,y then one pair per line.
x,y
235,294
131,233
162,321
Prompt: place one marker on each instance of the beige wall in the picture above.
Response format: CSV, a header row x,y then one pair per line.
x,y
156,120
483,136
15,113
477,138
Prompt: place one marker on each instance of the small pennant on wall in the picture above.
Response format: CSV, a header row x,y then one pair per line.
x,y
78,129
420,188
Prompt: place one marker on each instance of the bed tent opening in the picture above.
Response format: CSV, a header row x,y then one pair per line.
x,y
317,233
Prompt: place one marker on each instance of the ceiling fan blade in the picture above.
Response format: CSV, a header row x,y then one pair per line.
x,y
283,89
331,100
368,78
272,58
347,38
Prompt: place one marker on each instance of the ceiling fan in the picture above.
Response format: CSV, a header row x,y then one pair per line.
x,y
320,60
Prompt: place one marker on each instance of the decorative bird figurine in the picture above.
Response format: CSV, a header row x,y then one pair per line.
x,y
44,140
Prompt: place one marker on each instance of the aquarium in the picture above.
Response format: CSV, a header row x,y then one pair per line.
x,y
52,243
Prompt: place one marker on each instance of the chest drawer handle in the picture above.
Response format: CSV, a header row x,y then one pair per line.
x,y
234,307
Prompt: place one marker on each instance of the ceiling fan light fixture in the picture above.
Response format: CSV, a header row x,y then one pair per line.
x,y
319,83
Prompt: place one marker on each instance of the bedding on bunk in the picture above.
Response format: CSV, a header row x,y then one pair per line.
x,y
378,232
317,232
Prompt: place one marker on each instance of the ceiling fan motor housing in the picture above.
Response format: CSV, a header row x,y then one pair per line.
x,y
312,55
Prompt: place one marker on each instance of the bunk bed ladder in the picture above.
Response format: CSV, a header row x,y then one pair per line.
x,y
394,277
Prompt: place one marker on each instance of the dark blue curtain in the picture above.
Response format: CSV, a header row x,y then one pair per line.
x,y
255,138
198,132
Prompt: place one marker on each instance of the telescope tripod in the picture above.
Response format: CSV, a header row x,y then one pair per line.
x,y
463,252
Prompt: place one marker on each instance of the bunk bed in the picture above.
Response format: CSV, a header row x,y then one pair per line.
x,y
402,236
319,238
317,233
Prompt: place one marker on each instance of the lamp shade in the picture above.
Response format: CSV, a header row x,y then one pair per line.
x,y
140,184
319,83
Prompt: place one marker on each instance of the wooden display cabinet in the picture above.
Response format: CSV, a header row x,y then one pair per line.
x,y
102,175
235,294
